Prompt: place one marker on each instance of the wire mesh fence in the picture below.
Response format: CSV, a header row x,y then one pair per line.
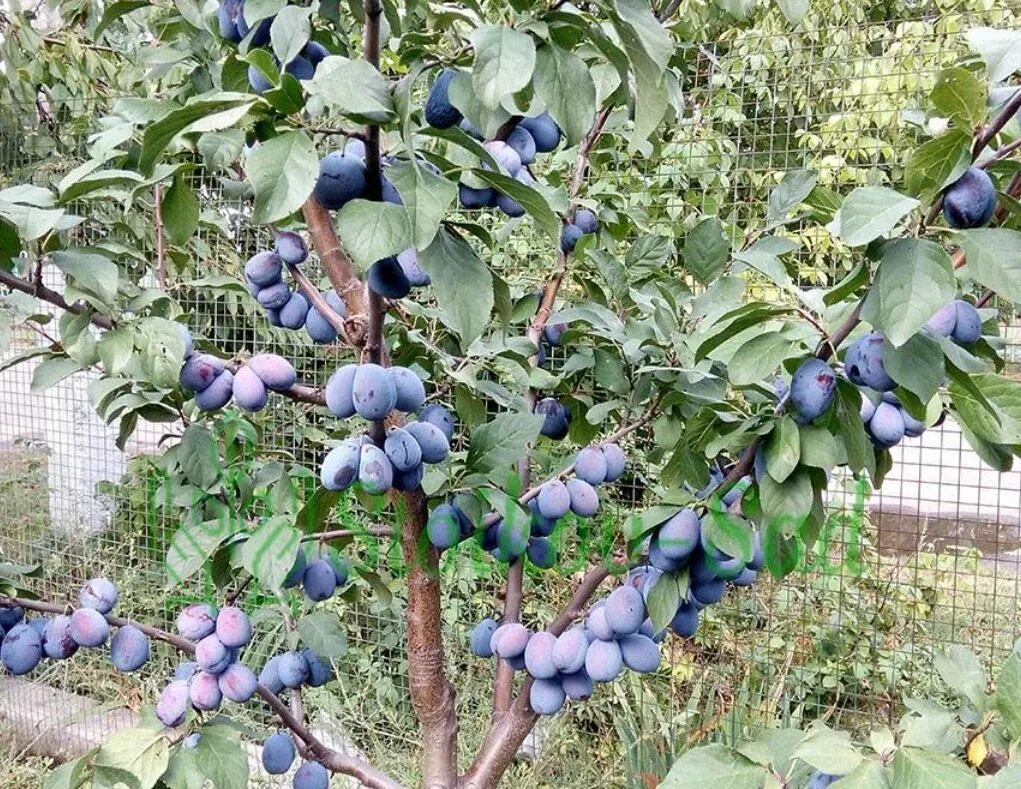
x,y
930,560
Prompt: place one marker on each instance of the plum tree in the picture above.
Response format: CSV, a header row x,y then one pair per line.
x,y
969,201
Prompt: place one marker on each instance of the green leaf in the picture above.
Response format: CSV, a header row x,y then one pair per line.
x,y
914,768
818,447
1008,694
91,273
462,284
867,775
961,670
531,199
32,223
71,775
917,365
994,259
717,766
648,47
268,553
794,10
787,503
354,88
322,633
290,31
198,457
915,279
180,212
51,372
499,444
706,249
142,753
999,48
487,120
735,322
282,172
563,82
1003,425
371,231
663,600
212,113
504,62
790,193
959,95
728,533
221,758
937,163
76,184
828,751
426,197
194,544
870,212
783,449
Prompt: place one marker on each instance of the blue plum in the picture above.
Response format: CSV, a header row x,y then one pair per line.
x,y
615,462
481,635
442,527
249,391
556,418
546,696
886,425
554,500
402,449
172,706
625,610
373,392
278,754
273,370
342,178
539,655
969,201
233,627
542,552
100,594
586,220
639,653
89,628
577,686
569,237
813,388
129,649
21,650
409,387
340,466
431,440
523,144
290,248
292,669
967,323
340,390
544,131
471,198
196,621
387,279
374,470
264,268
569,651
864,364
237,683
57,641
204,691
603,661
439,112
319,581
439,416
311,775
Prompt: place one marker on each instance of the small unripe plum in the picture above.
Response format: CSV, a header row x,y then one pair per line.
x,y
233,627
942,323
311,775
291,248
603,661
569,651
273,370
639,653
408,480
275,296
708,592
542,552
431,440
199,371
968,324
546,696
172,707
539,655
685,621
278,754
410,389
597,625
129,649
374,470
472,199
89,628
512,536
556,418
439,112
813,388
569,237
577,686
250,392
408,260
297,571
481,636
554,500
211,655
443,528
237,683
544,131
387,279
339,391
293,669
342,178
319,671
204,691
969,201
864,364
509,640
678,537
196,621
615,462
887,425
57,641
217,394
590,465
584,499
373,392
21,650
439,416
523,144
625,610
269,677
504,155
295,312
320,582
402,450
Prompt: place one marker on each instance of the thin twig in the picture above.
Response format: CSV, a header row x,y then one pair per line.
x,y
161,268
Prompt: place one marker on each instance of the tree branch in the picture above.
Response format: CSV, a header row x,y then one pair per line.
x,y
161,249
333,760
313,295
43,293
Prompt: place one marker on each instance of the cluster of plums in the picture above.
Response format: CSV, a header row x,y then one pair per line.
x,y
585,223
320,578
234,27
216,672
27,642
286,308
278,755
528,138
551,336
969,201
372,392
214,386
